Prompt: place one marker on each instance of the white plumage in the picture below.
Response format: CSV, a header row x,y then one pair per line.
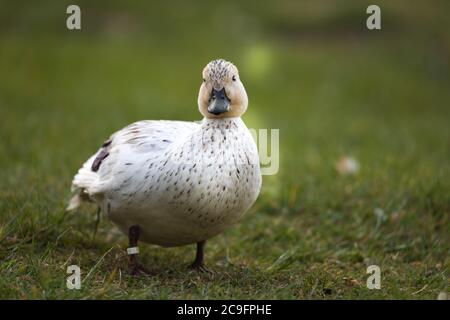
x,y
180,182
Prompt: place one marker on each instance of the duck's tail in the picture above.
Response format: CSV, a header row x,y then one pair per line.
x,y
82,184
74,203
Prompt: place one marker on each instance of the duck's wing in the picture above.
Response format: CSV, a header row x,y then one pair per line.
x,y
139,140
150,135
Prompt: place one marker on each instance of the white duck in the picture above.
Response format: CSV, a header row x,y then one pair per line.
x,y
173,183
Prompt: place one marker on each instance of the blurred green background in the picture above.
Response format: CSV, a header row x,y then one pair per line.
x,y
311,69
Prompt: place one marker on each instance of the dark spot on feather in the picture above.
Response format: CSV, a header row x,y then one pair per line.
x,y
107,143
98,160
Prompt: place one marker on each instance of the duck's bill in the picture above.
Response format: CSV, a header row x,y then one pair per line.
x,y
219,102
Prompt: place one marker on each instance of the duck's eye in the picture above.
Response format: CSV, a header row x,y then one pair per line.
x,y
233,78
204,80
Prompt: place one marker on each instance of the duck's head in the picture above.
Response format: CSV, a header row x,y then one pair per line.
x,y
222,94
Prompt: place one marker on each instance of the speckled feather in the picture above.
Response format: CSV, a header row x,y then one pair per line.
x,y
217,71
181,182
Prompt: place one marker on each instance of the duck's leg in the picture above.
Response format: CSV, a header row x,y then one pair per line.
x,y
198,263
97,222
135,267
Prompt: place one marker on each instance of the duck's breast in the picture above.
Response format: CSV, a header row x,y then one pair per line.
x,y
197,188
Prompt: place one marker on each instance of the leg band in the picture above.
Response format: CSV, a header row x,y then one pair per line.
x,y
132,250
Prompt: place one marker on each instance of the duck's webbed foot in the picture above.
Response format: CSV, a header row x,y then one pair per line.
x,y
138,269
135,267
198,264
200,267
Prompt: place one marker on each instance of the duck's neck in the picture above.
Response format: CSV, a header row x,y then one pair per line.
x,y
222,123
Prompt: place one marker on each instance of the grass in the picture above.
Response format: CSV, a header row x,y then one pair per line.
x,y
331,87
